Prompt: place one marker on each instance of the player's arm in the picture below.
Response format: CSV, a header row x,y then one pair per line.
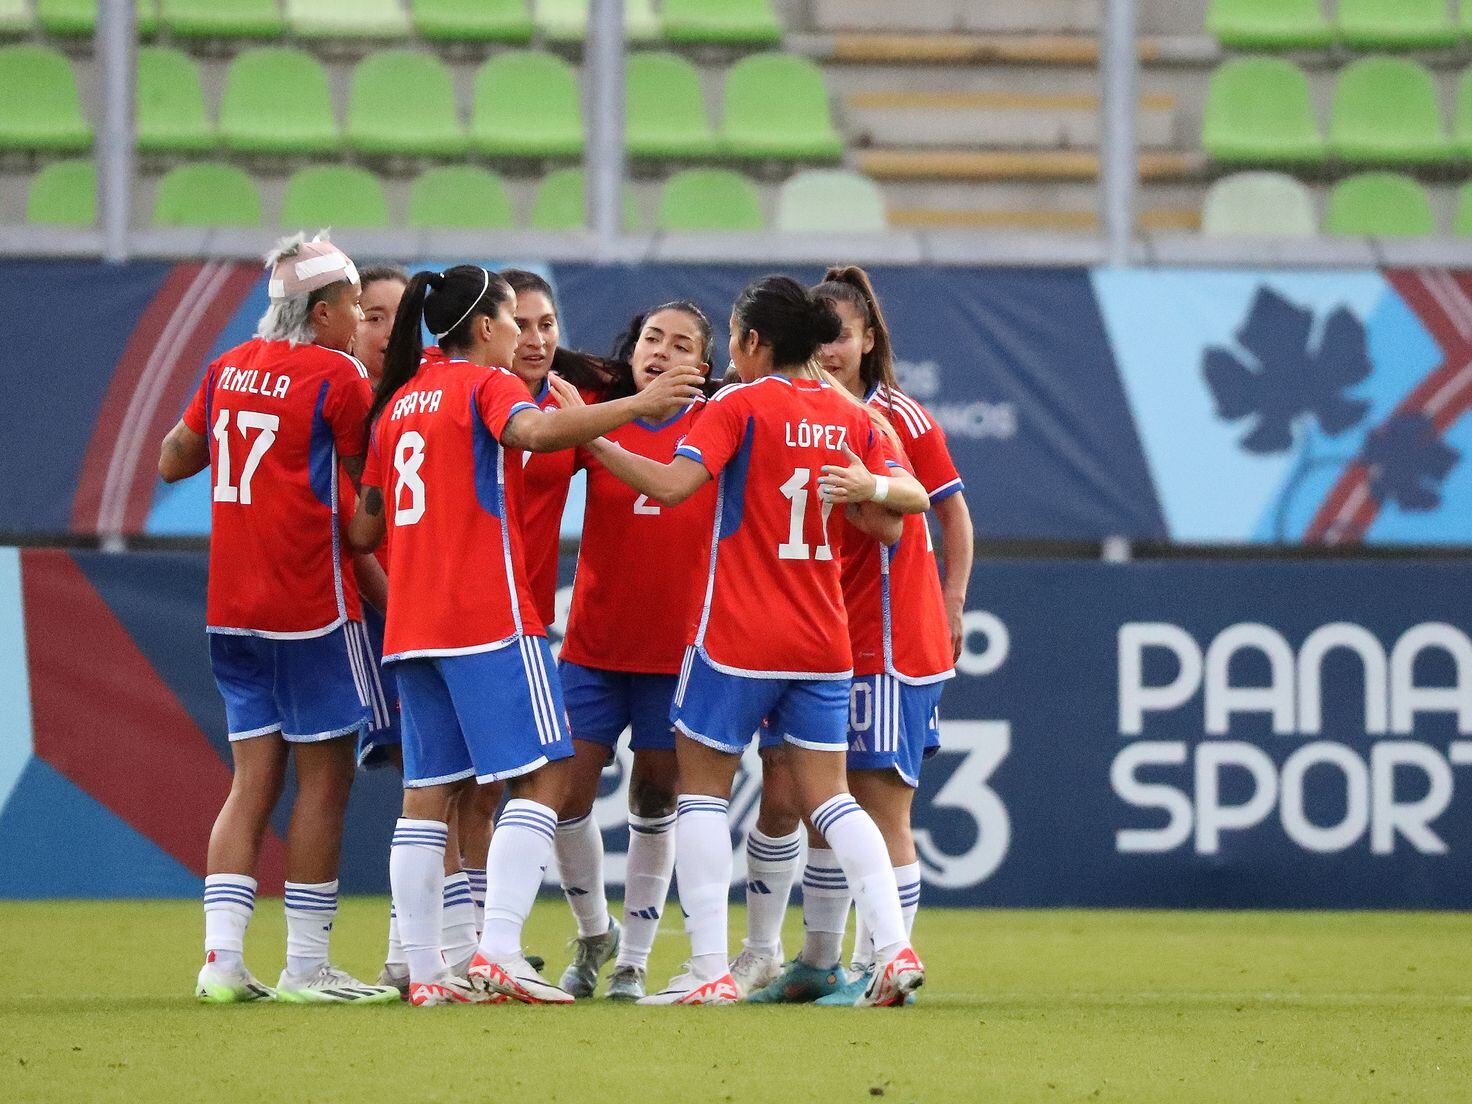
x,y
880,522
184,453
669,484
366,530
576,423
854,483
958,550
353,465
372,582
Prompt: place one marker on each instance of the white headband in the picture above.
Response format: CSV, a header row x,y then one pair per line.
x,y
485,287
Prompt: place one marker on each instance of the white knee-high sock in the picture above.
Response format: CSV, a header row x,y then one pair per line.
x,y
825,900
863,955
416,873
860,850
476,875
229,901
646,885
394,956
311,907
771,868
579,849
458,935
521,847
703,866
907,879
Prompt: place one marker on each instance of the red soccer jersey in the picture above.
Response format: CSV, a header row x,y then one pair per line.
x,y
547,475
279,419
773,607
640,566
896,613
457,577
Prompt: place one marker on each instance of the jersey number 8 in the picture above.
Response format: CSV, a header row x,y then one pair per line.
x,y
408,459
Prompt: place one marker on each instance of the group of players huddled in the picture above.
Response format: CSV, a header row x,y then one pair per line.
x,y
755,563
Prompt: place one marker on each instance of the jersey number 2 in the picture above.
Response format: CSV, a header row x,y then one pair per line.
x,y
245,421
794,547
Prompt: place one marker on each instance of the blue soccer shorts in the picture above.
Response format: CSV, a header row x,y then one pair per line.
x,y
308,688
374,744
893,725
487,715
723,710
601,704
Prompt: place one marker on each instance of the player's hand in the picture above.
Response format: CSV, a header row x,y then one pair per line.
x,y
851,482
958,634
568,396
669,393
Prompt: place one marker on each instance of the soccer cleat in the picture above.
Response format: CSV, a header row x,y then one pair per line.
x,y
754,970
220,986
329,985
689,989
800,983
626,984
593,951
514,980
850,991
446,990
892,983
395,975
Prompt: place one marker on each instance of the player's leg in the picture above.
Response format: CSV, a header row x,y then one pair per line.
x,y
460,928
651,863
578,846
773,849
475,818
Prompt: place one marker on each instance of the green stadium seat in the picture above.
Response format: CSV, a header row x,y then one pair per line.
x,y
1268,24
727,22
64,193
276,102
777,108
1258,109
171,115
567,20
831,201
207,195
222,18
560,203
527,105
78,18
1386,113
665,109
347,19
709,199
403,103
334,195
1395,24
1381,205
1258,205
460,197
15,18
1462,121
40,110
1462,220
472,20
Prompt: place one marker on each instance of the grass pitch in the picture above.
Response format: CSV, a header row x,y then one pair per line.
x,y
1049,1006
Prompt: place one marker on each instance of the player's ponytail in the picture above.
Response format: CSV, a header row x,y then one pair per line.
x,y
850,284
786,317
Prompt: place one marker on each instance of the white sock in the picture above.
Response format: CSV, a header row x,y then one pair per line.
x,y
863,955
825,900
907,879
311,908
477,878
521,847
860,850
646,885
416,872
579,848
703,866
229,900
458,936
394,956
771,868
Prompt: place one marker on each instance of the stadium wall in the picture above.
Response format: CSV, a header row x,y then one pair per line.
x,y
1176,733
1177,405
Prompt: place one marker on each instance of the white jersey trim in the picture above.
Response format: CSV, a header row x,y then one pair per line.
x,y
436,653
305,634
798,676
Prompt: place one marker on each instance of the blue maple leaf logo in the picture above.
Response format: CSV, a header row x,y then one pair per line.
x,y
1408,462
1282,378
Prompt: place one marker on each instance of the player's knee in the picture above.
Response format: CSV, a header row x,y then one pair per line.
x,y
650,798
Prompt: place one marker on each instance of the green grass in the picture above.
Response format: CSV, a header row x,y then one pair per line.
x,y
1048,1006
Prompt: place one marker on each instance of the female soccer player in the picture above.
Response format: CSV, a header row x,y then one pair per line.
x,y
772,639
477,695
905,637
625,640
276,419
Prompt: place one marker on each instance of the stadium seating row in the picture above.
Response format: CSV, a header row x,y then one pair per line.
x,y
1385,112
454,197
276,101
1359,24
732,22
1380,204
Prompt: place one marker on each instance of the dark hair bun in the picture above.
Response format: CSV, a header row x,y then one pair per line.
x,y
826,325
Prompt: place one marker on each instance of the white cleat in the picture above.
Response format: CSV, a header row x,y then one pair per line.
x,y
753,970
893,982
689,989
395,975
329,985
217,985
444,991
515,980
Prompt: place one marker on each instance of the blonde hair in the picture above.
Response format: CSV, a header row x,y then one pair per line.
x,y
814,370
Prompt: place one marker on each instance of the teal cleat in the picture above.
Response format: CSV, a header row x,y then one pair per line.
x,y
626,984
800,983
850,991
592,954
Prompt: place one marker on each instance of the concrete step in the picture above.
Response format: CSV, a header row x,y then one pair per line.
x,y
979,165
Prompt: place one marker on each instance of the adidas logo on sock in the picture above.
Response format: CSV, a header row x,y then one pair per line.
x,y
758,887
646,913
